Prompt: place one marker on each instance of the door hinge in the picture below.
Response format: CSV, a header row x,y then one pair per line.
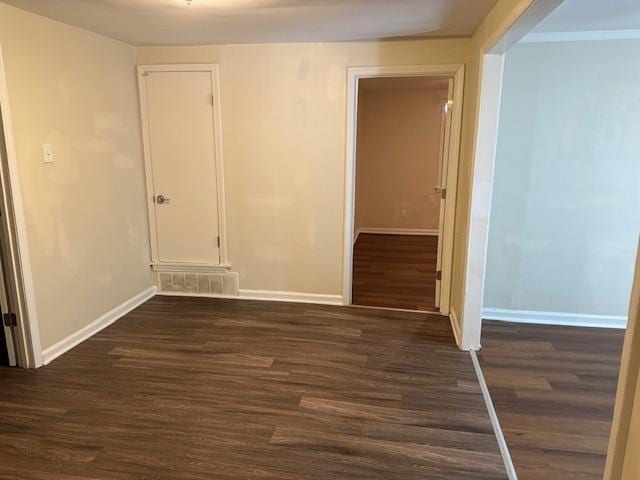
x,y
439,275
10,320
218,242
211,99
443,193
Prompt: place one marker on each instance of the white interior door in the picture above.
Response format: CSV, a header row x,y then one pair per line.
x,y
181,143
445,145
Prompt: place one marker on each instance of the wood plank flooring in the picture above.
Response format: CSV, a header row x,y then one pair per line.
x,y
195,389
396,271
553,388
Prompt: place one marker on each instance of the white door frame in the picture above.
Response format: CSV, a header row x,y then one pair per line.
x,y
354,74
14,234
214,70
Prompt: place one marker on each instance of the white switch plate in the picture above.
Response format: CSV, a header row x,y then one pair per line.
x,y
47,153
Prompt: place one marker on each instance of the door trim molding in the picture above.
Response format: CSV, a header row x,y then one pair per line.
x,y
214,70
354,74
13,224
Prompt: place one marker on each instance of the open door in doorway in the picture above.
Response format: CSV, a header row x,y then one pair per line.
x,y
441,189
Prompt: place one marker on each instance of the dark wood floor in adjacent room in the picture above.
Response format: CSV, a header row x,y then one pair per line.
x,y
554,389
202,389
395,271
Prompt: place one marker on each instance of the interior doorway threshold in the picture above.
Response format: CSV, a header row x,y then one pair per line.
x,y
392,309
493,416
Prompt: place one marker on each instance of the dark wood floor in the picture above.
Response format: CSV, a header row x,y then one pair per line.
x,y
395,271
185,388
553,389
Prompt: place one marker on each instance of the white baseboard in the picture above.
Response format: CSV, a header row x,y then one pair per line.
x,y
268,295
554,318
94,327
397,231
279,296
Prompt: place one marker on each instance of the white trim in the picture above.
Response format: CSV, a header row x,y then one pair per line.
x,y
94,327
484,150
214,69
397,231
354,74
267,295
455,326
28,341
554,318
493,416
279,296
585,36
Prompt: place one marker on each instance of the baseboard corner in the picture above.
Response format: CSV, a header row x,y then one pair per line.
x,y
51,353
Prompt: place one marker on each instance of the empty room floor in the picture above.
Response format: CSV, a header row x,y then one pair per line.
x,y
554,389
395,271
193,388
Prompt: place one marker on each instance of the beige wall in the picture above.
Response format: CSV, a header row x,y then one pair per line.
x,y
85,213
284,131
398,153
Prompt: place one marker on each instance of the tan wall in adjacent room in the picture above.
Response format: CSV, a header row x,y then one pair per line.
x,y
398,152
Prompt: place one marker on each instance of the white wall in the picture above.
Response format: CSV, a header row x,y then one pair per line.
x,y
85,213
566,200
284,132
398,156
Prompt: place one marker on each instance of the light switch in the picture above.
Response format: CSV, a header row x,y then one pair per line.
x,y
47,153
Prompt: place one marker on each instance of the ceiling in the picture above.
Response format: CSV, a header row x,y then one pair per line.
x,y
592,15
173,22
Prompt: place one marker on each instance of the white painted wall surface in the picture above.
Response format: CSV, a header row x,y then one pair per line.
x,y
85,212
565,217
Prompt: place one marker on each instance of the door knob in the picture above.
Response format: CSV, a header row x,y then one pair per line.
x,y
162,199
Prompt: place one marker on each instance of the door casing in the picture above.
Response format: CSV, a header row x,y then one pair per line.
x,y
354,74
13,232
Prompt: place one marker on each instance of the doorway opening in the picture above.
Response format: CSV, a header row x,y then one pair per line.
x,y
550,284
402,156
